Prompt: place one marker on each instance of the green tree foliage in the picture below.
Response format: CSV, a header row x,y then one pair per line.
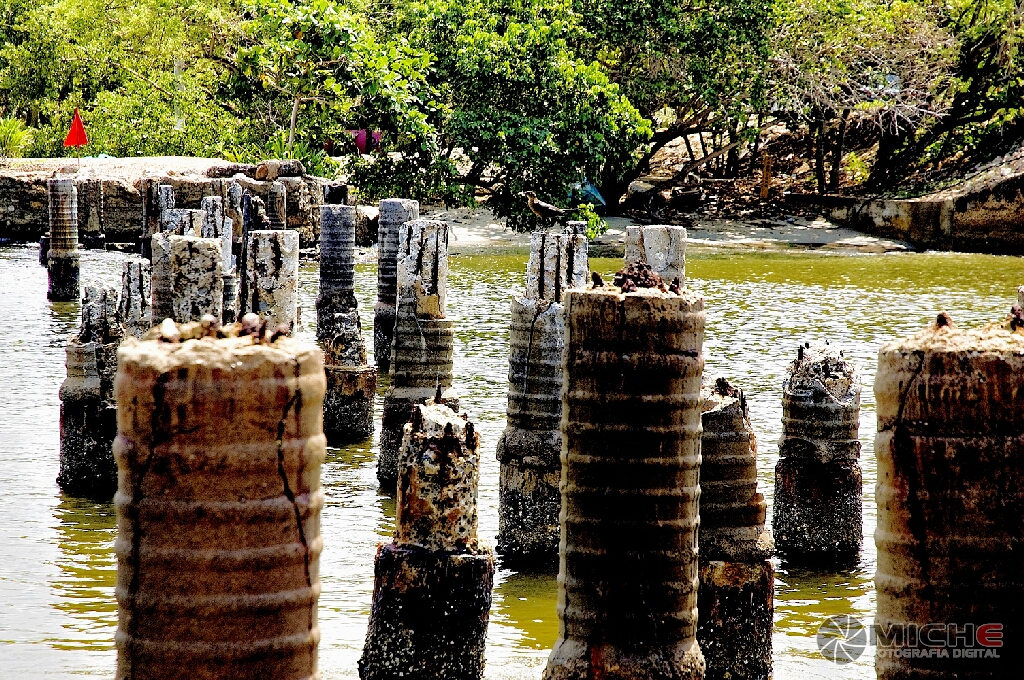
x,y
520,109
14,137
117,63
883,62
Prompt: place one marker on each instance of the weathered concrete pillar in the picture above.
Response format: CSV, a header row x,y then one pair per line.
x,y
336,193
950,492
432,585
159,197
88,421
233,207
44,249
90,218
394,212
737,578
530,448
421,357
135,307
217,225
351,384
631,418
219,450
197,281
818,488
161,282
254,218
277,206
182,222
63,257
272,277
663,247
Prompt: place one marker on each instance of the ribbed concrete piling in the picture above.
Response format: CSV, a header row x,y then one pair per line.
x,y
394,212
135,306
63,256
950,493
87,412
530,448
90,200
351,384
272,277
631,418
219,450
159,198
737,578
277,206
217,225
818,488
421,357
662,247
432,585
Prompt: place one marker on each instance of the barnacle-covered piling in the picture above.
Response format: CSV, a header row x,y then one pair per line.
x,y
394,212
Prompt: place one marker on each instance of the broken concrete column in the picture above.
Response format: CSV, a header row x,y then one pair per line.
x,y
159,198
631,418
394,212
135,306
197,281
950,493
277,206
272,277
90,218
219,450
254,218
217,225
233,208
44,249
421,356
818,488
663,247
530,447
63,256
432,584
88,420
351,384
161,282
737,578
182,222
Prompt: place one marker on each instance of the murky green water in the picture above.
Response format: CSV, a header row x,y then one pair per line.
x,y
57,568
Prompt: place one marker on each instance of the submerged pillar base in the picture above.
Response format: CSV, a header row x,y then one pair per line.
x,y
63,269
735,621
429,615
528,499
384,316
348,404
818,509
576,660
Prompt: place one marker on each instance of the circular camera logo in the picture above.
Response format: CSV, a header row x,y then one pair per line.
x,y
842,639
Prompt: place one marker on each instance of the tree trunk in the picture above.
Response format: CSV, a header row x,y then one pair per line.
x,y
819,153
291,128
837,151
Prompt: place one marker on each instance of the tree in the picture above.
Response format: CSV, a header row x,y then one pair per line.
x,y
882,62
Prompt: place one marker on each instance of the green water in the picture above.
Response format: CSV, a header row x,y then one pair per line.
x,y
57,568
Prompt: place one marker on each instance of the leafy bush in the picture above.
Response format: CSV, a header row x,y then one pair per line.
x,y
15,137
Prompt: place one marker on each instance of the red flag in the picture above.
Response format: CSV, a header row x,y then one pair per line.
x,y
76,136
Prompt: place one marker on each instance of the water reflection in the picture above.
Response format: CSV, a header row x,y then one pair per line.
x,y
527,602
84,588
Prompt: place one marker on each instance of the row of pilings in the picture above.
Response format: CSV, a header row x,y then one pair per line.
x,y
664,557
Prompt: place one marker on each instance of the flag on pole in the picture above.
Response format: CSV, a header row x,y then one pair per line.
x,y
76,135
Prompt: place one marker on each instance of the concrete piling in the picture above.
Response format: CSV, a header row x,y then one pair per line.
x,y
219,450
182,222
432,584
187,281
135,306
272,277
662,247
90,203
159,198
277,206
818,487
737,578
44,249
394,212
631,419
351,384
530,447
87,413
421,356
218,225
950,493
63,257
